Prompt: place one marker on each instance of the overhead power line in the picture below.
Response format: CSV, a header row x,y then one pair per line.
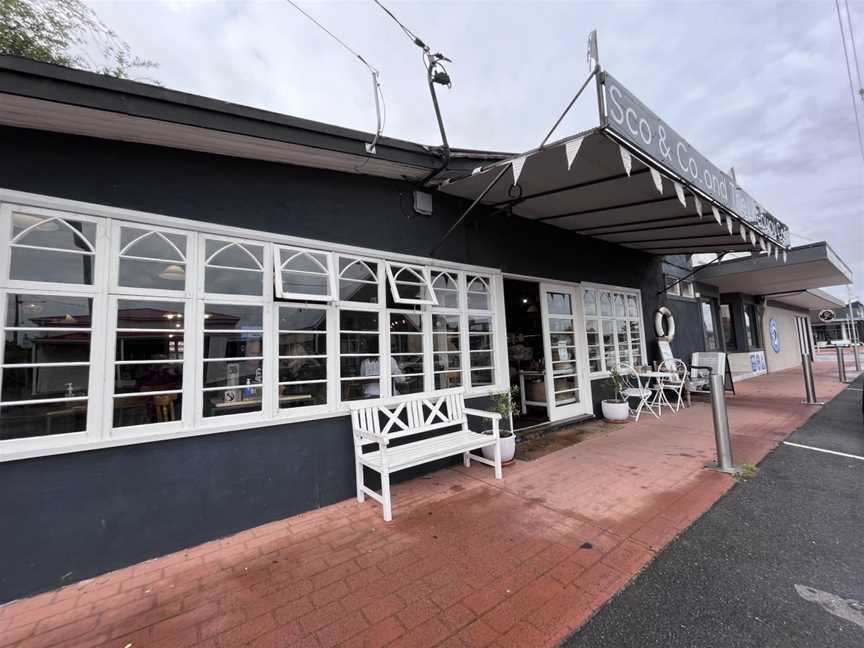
x,y
380,106
849,74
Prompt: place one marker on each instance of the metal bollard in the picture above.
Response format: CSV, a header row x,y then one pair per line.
x,y
721,423
855,355
809,383
841,364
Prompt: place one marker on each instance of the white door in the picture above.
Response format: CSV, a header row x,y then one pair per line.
x,y
568,391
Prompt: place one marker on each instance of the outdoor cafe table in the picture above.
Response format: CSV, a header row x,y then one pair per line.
x,y
660,394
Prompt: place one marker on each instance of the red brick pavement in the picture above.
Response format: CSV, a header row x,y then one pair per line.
x,y
467,561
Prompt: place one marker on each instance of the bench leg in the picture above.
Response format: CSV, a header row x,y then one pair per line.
x,y
466,459
385,494
498,474
361,496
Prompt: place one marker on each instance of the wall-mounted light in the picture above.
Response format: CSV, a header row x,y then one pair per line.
x,y
173,272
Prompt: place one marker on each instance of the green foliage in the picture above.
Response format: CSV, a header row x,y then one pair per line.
x,y
747,471
68,33
505,403
616,381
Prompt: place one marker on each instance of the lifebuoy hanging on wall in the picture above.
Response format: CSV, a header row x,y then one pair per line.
x,y
664,323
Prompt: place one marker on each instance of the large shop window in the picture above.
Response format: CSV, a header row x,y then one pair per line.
x,y
613,322
206,331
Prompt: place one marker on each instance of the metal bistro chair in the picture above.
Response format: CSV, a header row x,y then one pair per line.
x,y
675,385
633,388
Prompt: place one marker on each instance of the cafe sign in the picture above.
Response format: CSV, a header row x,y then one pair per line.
x,y
636,123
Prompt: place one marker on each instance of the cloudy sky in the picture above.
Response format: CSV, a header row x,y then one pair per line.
x,y
757,85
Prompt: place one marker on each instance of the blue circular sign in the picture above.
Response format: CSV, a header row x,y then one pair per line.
x,y
775,336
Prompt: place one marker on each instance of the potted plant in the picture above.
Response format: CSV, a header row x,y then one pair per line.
x,y
616,409
504,404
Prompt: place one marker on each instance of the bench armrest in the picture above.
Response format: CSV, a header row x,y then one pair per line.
x,y
495,416
372,437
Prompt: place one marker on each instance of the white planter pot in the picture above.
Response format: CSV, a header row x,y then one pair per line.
x,y
613,411
508,449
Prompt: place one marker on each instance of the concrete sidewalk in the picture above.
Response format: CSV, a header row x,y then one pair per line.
x,y
467,561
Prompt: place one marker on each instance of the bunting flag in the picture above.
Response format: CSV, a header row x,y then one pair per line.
x,y
476,170
626,159
762,244
776,253
729,224
784,256
680,191
716,215
517,165
752,237
658,179
743,233
571,149
698,205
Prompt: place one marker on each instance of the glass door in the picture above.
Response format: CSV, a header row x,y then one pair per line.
x,y
568,392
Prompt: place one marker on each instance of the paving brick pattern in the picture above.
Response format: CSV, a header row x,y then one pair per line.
x,y
467,561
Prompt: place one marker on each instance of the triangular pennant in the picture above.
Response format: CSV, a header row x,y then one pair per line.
x,y
716,215
658,180
680,191
476,170
776,253
762,244
784,256
698,205
752,238
743,233
517,165
571,149
729,224
626,159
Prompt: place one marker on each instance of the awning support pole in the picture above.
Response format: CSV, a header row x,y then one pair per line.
x,y
569,106
692,274
464,215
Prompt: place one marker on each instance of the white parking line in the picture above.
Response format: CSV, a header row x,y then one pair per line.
x,y
833,452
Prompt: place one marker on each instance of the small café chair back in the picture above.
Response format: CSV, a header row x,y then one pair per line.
x,y
634,390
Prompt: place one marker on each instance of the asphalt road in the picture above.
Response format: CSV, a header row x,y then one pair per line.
x,y
730,580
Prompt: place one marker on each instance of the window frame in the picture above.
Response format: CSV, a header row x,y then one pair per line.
x,y
329,273
496,367
105,292
188,364
425,274
201,270
115,249
622,290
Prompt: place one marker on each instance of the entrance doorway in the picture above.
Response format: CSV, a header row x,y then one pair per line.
x,y
545,348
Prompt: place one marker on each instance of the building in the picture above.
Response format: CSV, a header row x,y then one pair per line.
x,y
842,323
193,293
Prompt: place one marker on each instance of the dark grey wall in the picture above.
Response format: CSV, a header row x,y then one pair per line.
x,y
86,513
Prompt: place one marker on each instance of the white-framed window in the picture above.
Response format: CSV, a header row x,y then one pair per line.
x,y
303,369
234,269
47,247
232,359
149,260
46,382
410,284
613,324
149,364
126,327
481,331
447,346
304,274
360,368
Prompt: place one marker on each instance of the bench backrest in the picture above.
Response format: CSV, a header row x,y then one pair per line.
x,y
405,416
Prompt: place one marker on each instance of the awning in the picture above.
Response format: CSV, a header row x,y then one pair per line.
x,y
813,299
808,266
632,181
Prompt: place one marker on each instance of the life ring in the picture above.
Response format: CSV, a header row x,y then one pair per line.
x,y
664,323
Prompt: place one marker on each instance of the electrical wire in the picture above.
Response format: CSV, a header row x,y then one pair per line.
x,y
851,84
854,50
381,111
414,38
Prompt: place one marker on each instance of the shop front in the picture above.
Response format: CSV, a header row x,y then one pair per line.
x,y
194,294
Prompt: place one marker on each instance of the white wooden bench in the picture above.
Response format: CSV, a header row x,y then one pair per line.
x,y
383,421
